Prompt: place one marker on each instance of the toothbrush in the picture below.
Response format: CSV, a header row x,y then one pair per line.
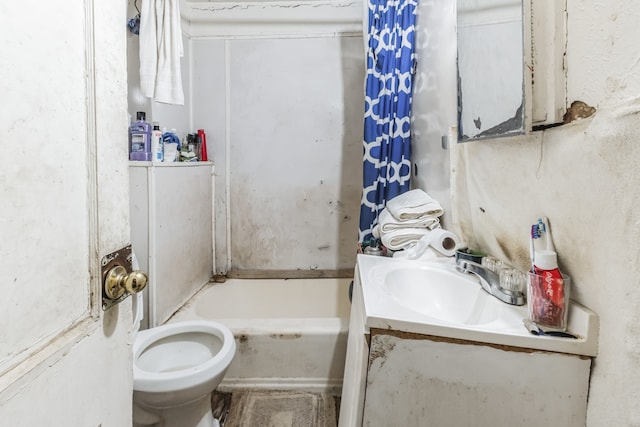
x,y
538,228
536,232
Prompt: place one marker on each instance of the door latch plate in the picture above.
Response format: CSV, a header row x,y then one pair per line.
x,y
122,257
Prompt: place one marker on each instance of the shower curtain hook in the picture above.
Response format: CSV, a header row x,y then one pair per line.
x,y
134,23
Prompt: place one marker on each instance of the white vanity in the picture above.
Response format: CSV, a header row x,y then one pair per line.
x,y
428,347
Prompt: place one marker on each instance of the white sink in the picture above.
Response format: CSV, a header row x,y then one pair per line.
x,y
432,298
437,292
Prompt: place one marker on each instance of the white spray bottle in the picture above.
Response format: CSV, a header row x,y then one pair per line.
x,y
157,146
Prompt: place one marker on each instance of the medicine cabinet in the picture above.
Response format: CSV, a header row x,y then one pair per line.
x,y
511,68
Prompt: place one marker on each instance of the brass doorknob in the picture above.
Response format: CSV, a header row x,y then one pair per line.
x,y
117,281
136,281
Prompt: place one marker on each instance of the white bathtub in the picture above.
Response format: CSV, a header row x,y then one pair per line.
x,y
290,334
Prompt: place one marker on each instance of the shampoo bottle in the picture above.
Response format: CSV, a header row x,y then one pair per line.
x,y
157,146
140,139
202,140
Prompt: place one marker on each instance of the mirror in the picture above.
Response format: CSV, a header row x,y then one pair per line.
x,y
490,69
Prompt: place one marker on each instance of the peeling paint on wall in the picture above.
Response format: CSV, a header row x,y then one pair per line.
x,y
511,126
578,110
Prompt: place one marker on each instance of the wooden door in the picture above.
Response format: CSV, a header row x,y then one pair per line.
x,y
64,205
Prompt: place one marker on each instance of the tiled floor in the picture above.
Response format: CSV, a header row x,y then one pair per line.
x,y
261,408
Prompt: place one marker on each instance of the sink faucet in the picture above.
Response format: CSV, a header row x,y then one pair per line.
x,y
490,282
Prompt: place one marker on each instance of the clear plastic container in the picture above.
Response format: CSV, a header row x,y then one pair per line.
x,y
548,300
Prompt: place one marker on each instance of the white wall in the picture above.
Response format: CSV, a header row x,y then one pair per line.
x,y
584,177
279,90
434,108
295,149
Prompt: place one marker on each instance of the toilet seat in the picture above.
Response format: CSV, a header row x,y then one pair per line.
x,y
184,377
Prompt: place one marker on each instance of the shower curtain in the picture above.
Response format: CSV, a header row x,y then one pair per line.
x,y
387,129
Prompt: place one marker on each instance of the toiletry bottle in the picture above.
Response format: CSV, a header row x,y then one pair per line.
x,y
552,284
140,139
191,143
374,248
202,139
172,146
157,147
196,145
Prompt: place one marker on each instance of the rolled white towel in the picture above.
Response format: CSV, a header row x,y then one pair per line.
x,y
400,238
389,223
414,204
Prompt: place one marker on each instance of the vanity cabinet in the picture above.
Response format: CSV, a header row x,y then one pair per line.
x,y
401,378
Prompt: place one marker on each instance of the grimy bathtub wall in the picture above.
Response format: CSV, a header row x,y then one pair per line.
x,y
278,86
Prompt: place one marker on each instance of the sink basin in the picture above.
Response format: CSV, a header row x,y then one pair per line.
x,y
432,298
441,294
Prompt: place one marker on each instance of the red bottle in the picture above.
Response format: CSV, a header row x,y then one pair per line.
x,y
549,294
203,145
546,265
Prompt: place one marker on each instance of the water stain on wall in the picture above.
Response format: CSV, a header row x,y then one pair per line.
x,y
301,227
243,345
285,336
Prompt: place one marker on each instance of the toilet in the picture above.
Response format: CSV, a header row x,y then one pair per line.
x,y
176,368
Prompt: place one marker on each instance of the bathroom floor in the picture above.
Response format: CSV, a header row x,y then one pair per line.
x,y
248,408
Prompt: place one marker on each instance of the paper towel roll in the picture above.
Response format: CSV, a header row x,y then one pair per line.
x,y
443,241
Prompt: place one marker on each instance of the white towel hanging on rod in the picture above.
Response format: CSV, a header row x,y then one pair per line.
x,y
160,51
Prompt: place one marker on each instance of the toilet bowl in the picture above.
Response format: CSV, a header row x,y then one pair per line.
x,y
176,367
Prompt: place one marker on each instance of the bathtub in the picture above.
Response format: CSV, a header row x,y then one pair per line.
x,y
291,334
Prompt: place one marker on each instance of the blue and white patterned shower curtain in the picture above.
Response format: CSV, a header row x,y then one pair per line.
x,y
387,127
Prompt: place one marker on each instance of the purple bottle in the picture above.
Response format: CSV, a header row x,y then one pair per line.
x,y
140,139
